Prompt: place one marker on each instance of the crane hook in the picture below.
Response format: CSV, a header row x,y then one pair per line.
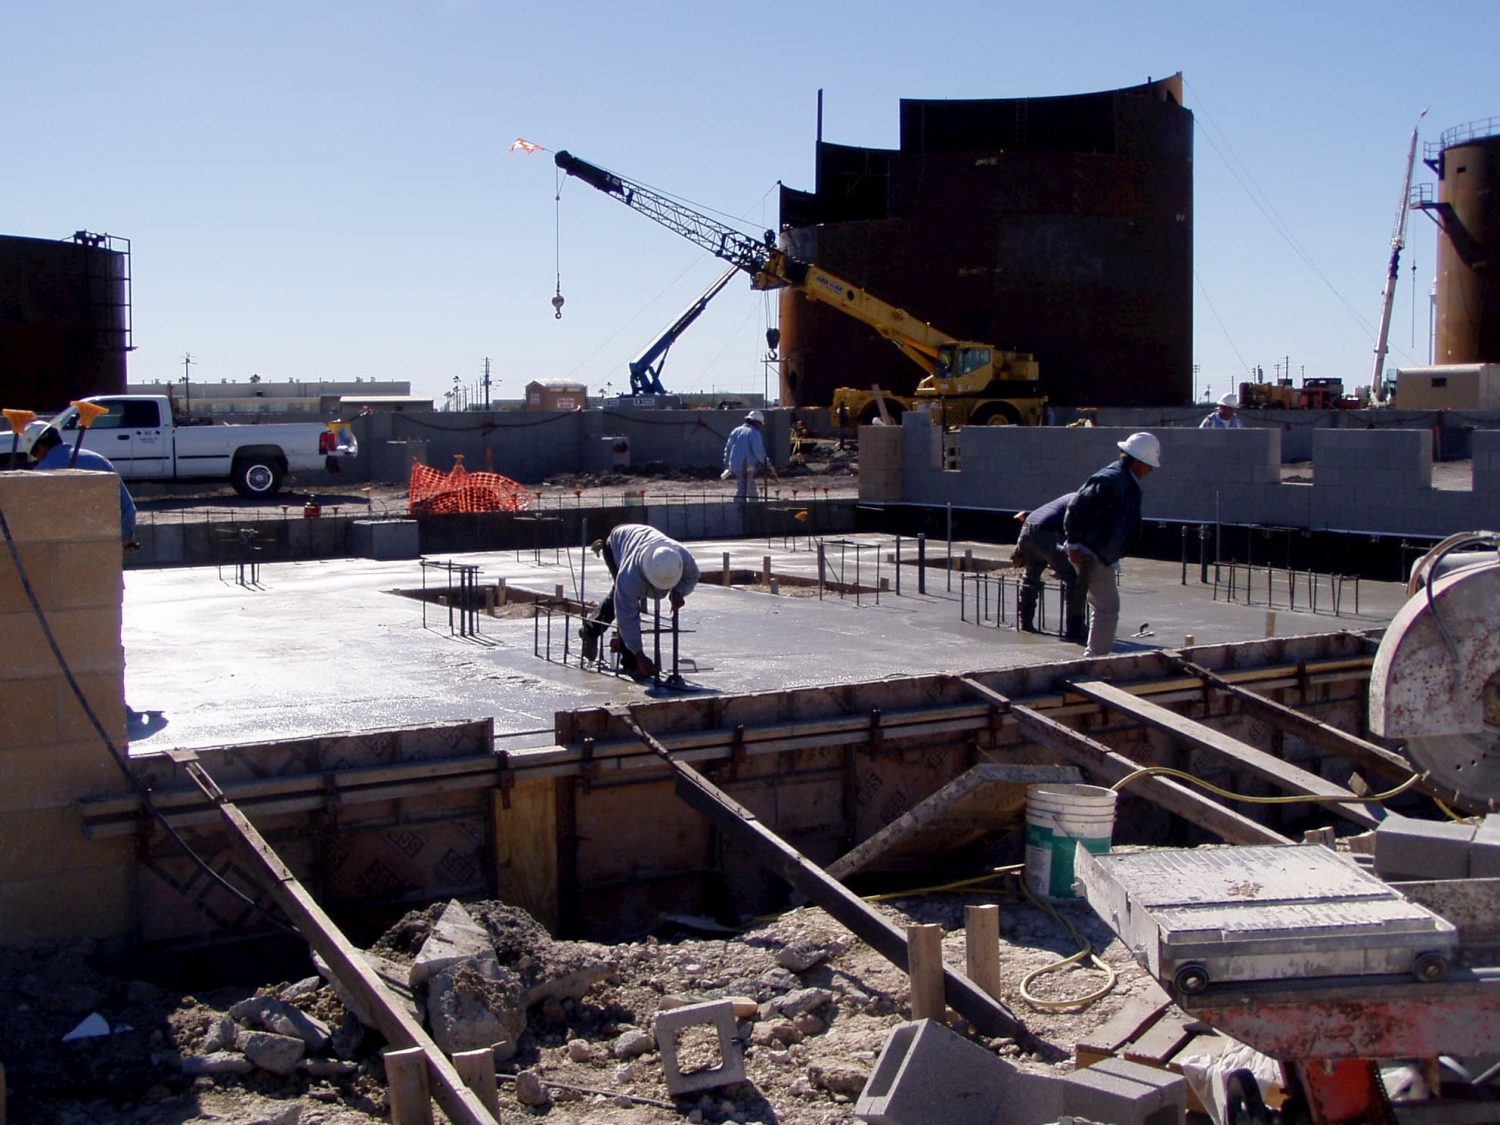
x,y
557,304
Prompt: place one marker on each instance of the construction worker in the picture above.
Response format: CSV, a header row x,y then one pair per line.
x,y
1225,416
1101,523
1039,547
644,563
49,451
744,452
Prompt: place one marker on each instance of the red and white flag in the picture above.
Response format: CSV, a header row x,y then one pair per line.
x,y
525,146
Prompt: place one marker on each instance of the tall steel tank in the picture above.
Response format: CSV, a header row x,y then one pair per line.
x,y
65,320
1057,226
1467,209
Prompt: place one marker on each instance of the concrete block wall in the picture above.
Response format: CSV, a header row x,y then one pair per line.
x,y
1364,480
880,463
54,883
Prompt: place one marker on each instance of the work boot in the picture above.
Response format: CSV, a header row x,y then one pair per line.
x,y
590,639
1027,611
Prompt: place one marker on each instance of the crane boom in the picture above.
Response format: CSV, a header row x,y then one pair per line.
x,y
1388,296
645,369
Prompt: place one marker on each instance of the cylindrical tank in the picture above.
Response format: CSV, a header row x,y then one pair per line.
x,y
1468,295
1056,226
64,319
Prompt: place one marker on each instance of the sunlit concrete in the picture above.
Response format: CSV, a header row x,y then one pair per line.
x,y
326,646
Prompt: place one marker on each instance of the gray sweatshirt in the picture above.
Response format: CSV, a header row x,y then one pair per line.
x,y
630,543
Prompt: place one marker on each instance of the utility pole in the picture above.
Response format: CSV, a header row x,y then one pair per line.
x,y
486,382
187,386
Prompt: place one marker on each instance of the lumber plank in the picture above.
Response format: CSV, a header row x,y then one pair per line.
x,y
990,1016
1363,753
1139,1013
1105,764
1162,1040
525,849
1283,775
982,799
400,1028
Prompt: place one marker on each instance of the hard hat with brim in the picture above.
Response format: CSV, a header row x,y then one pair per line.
x,y
663,567
1143,447
1230,400
755,416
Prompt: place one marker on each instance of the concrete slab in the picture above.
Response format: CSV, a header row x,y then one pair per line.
x,y
325,646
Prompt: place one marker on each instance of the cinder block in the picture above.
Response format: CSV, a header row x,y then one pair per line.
x,y
91,902
57,775
718,1014
1126,1093
1484,852
87,575
105,692
927,1073
35,843
29,710
1422,849
39,561
89,640
63,506
386,539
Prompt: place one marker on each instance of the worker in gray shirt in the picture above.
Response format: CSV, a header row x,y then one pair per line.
x,y
644,563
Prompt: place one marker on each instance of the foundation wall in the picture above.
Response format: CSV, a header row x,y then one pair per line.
x,y
55,884
1363,480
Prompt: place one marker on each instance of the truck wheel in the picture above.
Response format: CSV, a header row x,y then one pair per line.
x,y
256,478
995,414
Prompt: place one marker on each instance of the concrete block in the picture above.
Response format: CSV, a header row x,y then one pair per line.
x,y
1422,849
89,640
30,711
717,1014
1484,852
68,505
57,775
385,539
455,937
927,1073
1126,1093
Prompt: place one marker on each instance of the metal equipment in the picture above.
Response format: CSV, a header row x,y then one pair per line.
x,y
1436,678
645,369
967,382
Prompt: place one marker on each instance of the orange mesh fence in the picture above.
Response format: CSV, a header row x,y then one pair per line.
x,y
434,491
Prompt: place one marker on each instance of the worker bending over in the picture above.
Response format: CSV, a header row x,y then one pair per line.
x,y
49,451
644,563
1102,522
744,452
1039,547
1226,416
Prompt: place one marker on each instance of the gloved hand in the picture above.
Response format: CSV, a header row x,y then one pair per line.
x,y
675,600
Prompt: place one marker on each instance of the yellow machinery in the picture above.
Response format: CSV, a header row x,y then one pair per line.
x,y
966,382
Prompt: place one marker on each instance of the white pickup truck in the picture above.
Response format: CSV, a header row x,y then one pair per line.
x,y
141,440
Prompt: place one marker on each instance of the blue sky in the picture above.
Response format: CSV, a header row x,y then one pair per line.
x,y
322,190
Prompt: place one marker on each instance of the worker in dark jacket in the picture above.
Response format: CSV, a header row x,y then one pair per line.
x,y
1101,524
1039,547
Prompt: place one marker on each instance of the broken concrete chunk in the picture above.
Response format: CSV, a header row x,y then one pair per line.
x,y
301,989
580,1051
270,1014
216,1063
279,1054
564,970
779,979
221,1034
392,974
793,1004
455,937
799,956
632,1044
529,1089
476,1005
837,1077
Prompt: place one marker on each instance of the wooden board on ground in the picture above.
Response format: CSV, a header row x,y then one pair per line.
x,y
982,803
1138,1014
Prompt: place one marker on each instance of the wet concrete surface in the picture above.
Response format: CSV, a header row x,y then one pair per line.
x,y
322,647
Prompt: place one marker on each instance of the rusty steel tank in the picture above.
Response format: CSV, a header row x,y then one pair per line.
x,y
65,324
1058,226
1467,209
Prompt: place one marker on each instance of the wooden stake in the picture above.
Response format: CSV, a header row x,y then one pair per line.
x,y
477,1069
765,571
982,946
500,591
924,965
406,1077
726,570
1270,622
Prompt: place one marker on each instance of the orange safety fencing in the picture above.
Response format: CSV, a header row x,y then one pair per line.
x,y
434,491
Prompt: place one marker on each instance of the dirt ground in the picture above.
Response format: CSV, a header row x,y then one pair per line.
x,y
801,1068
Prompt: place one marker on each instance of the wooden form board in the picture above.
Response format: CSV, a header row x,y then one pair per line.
x,y
525,849
983,802
1282,774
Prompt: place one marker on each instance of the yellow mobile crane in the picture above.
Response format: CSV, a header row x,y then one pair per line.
x,y
966,382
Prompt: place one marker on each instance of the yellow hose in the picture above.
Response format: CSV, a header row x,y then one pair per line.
x,y
1288,799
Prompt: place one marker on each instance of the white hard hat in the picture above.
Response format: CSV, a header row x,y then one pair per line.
x,y
755,416
1143,447
1230,400
663,566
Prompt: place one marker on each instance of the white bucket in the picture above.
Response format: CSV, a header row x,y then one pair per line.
x,y
1058,819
